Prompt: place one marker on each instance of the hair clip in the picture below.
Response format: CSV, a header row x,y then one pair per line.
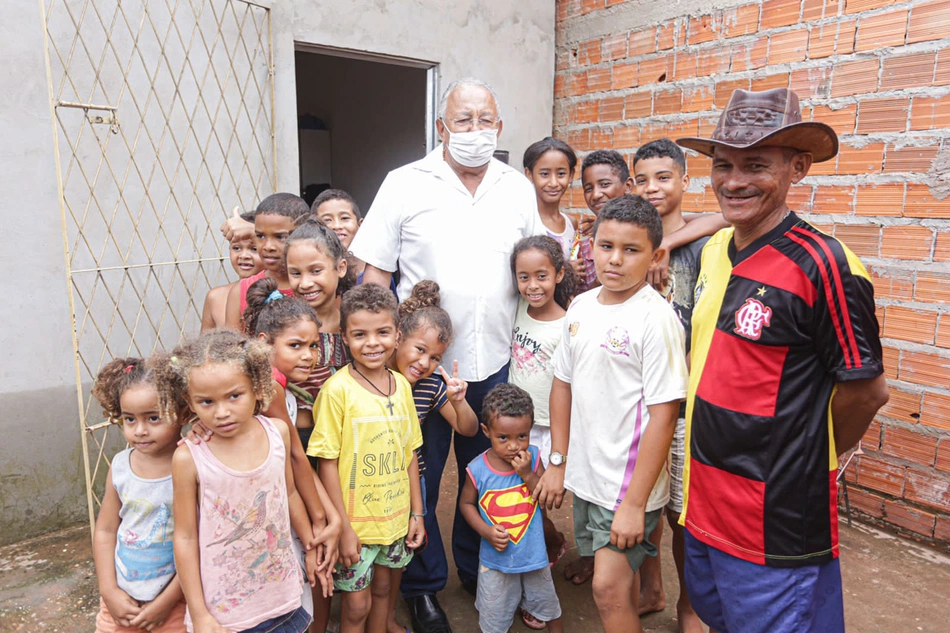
x,y
274,296
173,360
128,369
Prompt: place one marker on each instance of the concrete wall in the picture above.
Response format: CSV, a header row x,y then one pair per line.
x,y
41,481
376,114
878,71
42,487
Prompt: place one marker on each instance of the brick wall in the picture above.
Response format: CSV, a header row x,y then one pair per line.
x,y
878,71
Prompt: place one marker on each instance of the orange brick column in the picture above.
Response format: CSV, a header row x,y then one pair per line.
x,y
878,71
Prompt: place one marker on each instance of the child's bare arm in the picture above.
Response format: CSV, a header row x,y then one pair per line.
x,y
628,525
349,541
373,275
417,529
496,535
207,313
187,551
696,226
232,312
550,488
522,465
122,607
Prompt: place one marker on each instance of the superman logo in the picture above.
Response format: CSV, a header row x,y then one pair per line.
x,y
512,508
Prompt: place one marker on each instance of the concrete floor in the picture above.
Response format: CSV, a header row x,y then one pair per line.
x,y
891,585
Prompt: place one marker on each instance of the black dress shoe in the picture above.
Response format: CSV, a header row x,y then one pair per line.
x,y
427,615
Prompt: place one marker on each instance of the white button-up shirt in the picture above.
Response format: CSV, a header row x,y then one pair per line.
x,y
425,221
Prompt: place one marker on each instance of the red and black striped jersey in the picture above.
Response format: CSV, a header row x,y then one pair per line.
x,y
775,326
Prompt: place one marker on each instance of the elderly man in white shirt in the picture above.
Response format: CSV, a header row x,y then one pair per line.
x,y
454,217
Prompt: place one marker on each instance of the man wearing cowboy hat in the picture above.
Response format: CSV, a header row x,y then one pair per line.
x,y
786,375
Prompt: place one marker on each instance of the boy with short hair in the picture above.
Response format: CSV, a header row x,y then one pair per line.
x,y
497,502
660,176
245,262
604,176
620,375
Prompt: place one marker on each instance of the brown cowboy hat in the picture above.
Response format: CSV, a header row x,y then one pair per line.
x,y
770,117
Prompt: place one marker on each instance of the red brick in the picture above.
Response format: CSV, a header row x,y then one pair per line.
x,y
568,9
887,287
575,84
740,21
830,199
589,6
943,333
922,368
587,111
851,78
579,139
943,456
857,6
879,200
589,53
871,441
724,90
623,76
779,80
883,115
811,82
684,66
788,46
611,109
920,202
831,38
639,105
706,127
942,529
891,358
865,502
841,119
927,489
903,406
929,21
815,10
906,324
668,102
705,28
672,34
909,445
642,42
653,70
915,160
930,113
615,47
776,13
601,137
863,239
942,248
698,98
824,168
880,30
908,71
749,55
598,79
881,476
565,58
910,519
711,62
907,242
936,412
932,288
626,137
862,160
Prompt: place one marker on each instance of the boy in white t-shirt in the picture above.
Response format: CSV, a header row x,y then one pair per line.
x,y
620,374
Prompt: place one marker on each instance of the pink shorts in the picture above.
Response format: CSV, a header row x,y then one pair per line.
x,y
174,623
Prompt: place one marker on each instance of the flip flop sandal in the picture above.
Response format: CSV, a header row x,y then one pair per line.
x,y
560,554
532,622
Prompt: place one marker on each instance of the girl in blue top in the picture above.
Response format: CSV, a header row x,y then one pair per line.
x,y
132,546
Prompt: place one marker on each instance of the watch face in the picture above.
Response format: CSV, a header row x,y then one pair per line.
x,y
556,458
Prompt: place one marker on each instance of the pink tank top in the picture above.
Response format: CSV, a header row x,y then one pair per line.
x,y
249,573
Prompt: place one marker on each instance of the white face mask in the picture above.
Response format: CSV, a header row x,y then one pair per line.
x,y
472,149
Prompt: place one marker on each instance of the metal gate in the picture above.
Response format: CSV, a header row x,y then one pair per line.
x,y
162,117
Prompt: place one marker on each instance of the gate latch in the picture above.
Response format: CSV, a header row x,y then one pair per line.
x,y
96,114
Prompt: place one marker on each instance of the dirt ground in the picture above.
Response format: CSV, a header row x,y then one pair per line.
x,y
48,584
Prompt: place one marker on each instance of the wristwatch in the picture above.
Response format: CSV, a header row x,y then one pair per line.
x,y
556,459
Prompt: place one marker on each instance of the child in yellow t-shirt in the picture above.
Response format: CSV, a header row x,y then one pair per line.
x,y
365,434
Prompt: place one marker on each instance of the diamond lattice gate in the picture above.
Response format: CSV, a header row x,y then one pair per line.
x,y
162,122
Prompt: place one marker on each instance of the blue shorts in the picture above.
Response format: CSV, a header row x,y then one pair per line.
x,y
735,596
297,621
